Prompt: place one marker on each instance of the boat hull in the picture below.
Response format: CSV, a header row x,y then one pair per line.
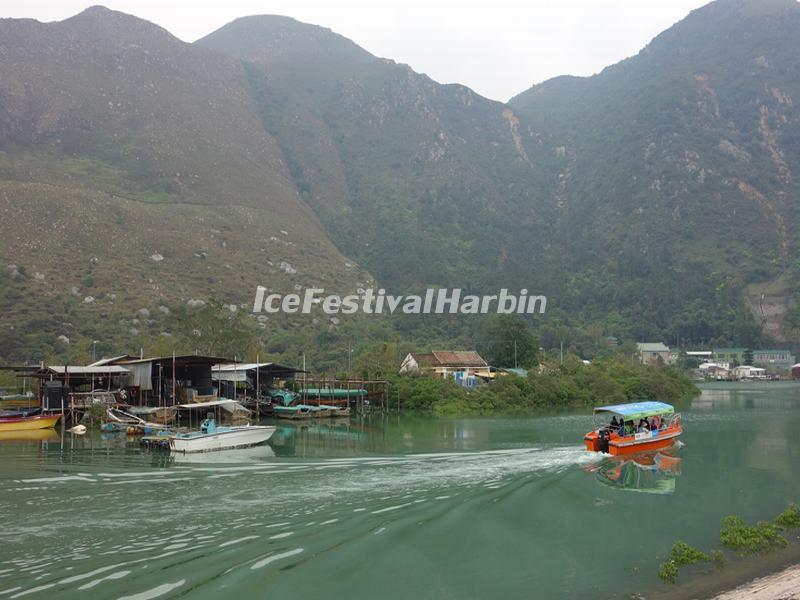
x,y
615,449
236,437
308,411
28,423
618,446
283,412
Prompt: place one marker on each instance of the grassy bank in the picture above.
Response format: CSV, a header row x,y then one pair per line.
x,y
573,384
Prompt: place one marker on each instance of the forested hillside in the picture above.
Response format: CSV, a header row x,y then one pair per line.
x,y
142,177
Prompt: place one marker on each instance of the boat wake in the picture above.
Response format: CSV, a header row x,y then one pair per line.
x,y
271,514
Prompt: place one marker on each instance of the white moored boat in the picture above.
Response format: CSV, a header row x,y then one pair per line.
x,y
211,438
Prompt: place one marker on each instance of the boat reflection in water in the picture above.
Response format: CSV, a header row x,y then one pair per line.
x,y
649,472
40,435
254,454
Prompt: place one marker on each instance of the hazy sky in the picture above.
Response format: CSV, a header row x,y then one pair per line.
x,y
497,47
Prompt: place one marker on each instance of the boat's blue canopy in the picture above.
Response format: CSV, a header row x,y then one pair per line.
x,y
637,410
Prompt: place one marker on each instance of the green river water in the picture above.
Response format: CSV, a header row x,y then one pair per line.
x,y
393,507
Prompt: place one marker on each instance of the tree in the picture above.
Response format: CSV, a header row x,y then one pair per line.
x,y
747,356
508,341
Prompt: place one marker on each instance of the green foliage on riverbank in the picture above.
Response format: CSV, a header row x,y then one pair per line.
x,y
572,384
747,539
735,534
683,554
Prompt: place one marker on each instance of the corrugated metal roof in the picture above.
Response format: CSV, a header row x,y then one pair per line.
x,y
652,347
90,370
181,358
107,361
235,367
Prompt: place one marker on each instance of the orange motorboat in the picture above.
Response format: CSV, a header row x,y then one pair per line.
x,y
635,427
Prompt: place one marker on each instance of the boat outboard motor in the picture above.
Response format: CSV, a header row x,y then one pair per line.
x,y
602,440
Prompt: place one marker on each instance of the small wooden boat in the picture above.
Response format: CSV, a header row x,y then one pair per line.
x,y
210,438
164,414
119,420
336,411
27,420
306,411
301,411
641,426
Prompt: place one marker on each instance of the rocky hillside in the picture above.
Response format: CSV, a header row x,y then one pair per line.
x,y
140,175
423,182
689,153
135,174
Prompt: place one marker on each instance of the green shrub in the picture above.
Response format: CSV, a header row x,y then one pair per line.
x,y
789,518
684,554
668,572
681,554
746,539
95,414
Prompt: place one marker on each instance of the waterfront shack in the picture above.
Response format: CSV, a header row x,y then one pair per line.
x,y
255,380
73,388
170,380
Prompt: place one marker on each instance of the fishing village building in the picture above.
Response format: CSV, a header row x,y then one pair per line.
x,y
152,382
444,363
653,353
775,360
781,359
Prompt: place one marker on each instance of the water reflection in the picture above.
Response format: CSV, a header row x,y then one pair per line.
x,y
650,473
39,435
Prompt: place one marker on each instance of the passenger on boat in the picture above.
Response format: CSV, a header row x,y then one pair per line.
x,y
614,425
629,428
644,427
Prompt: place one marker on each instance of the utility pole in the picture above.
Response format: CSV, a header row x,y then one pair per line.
x,y
94,344
562,352
515,354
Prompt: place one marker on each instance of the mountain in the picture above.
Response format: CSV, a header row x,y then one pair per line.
x,y
625,197
135,174
688,153
141,176
423,183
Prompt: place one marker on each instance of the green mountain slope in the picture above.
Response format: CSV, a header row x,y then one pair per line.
x,y
688,152
135,174
422,182
606,193
655,200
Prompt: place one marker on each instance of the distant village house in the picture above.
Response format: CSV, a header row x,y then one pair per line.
x,y
653,353
461,364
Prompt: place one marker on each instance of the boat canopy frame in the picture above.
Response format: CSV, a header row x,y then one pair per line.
x,y
637,410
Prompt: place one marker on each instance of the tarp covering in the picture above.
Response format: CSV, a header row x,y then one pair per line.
x,y
229,375
228,405
141,375
333,392
637,410
243,371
